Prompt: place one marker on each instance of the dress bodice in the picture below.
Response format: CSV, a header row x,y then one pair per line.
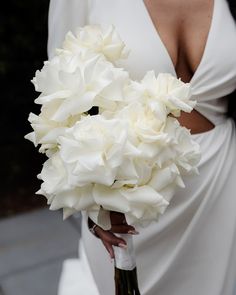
x,y
215,76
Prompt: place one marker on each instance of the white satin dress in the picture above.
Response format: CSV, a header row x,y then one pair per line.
x,y
192,249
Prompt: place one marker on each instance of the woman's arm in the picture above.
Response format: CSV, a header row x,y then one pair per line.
x,y
64,16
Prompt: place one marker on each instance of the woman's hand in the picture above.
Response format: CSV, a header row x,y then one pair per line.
x,y
108,237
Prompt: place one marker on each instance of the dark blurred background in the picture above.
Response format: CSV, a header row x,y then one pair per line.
x,y
23,35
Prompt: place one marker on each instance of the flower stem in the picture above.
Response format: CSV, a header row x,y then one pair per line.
x,y
126,282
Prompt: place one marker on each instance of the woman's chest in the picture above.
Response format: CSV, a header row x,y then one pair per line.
x,y
148,51
183,27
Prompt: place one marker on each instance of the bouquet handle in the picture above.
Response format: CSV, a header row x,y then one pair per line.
x,y
125,258
126,281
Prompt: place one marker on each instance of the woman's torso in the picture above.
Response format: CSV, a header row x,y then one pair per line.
x,y
184,34
210,68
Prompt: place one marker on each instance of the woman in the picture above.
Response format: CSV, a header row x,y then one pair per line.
x,y
192,249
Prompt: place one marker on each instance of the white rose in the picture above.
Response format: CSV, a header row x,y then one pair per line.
x,y
75,82
145,129
165,180
140,204
59,191
136,92
147,144
92,150
188,152
46,131
102,40
144,123
174,93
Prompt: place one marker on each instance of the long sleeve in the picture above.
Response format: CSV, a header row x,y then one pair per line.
x,y
64,16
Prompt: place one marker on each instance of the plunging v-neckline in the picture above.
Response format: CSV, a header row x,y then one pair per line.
x,y
165,48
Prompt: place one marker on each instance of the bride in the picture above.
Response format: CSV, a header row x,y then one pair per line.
x,y
192,249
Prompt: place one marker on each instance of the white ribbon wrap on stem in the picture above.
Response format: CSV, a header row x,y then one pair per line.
x,y
125,258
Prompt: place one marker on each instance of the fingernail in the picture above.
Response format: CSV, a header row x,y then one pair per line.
x,y
111,259
122,246
133,232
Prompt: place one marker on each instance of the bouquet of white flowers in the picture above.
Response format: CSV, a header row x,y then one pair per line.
x,y
131,155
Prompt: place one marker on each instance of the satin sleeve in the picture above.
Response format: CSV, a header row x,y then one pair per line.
x,y
64,16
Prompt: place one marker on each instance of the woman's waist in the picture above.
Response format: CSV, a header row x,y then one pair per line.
x,y
205,116
196,122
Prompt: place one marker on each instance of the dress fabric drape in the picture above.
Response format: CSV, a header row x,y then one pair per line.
x,y
192,249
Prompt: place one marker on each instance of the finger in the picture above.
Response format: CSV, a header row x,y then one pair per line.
x,y
109,249
109,237
117,218
119,224
124,229
109,240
